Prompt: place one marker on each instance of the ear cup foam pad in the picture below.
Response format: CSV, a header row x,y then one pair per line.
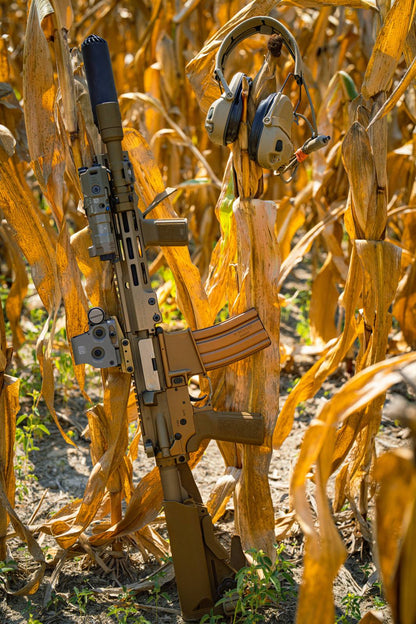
x,y
257,125
233,121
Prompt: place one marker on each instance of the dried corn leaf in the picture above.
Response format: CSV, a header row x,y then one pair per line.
x,y
381,266
312,380
7,143
388,48
165,56
221,284
358,159
405,305
305,243
289,220
356,436
19,286
56,18
155,103
9,406
43,354
4,62
324,548
100,433
4,359
324,300
98,275
116,393
144,505
222,492
35,550
54,14
28,229
324,551
395,474
191,296
356,4
200,70
399,90
72,294
185,11
42,133
141,45
253,383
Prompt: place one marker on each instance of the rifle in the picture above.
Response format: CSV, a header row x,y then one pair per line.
x,y
161,363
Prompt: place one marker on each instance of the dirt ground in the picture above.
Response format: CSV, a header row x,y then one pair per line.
x,y
82,595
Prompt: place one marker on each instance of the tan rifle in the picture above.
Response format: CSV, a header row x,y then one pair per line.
x,y
161,363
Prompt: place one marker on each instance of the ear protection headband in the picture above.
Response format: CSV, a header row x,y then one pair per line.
x,y
269,142
224,116
255,25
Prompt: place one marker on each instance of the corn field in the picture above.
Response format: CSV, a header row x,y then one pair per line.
x,y
348,217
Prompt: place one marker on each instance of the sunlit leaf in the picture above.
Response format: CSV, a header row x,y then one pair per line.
x,y
388,47
396,529
9,406
324,549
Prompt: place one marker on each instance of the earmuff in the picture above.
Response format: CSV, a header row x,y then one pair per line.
x,y
270,139
269,142
224,116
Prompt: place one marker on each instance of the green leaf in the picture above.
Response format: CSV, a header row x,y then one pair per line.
x,y
349,85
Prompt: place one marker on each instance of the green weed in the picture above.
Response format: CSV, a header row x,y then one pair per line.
x,y
29,428
6,567
156,592
378,599
30,379
298,305
292,385
63,362
223,314
210,618
33,620
81,598
352,609
262,584
28,609
376,593
302,327
127,614
32,428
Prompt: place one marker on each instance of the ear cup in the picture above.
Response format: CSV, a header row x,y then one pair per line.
x,y
269,143
257,126
234,117
223,119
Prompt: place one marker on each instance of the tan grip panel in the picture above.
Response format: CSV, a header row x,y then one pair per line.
x,y
242,427
232,340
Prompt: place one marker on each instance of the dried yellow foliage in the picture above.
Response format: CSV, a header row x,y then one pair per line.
x,y
395,474
246,249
